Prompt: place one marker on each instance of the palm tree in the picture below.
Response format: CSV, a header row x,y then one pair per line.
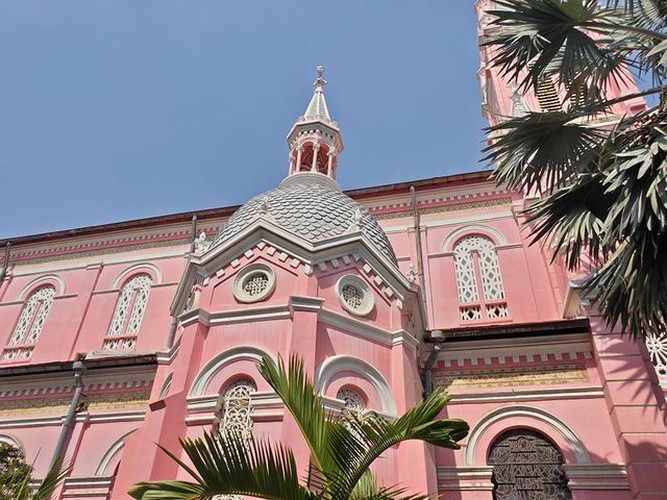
x,y
341,449
603,187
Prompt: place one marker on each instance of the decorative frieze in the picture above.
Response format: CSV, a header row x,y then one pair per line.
x,y
452,381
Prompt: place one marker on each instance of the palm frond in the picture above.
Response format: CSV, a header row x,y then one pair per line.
x,y
542,150
356,444
296,390
368,489
229,465
57,473
572,219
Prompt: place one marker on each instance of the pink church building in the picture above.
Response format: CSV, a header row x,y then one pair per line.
x,y
117,337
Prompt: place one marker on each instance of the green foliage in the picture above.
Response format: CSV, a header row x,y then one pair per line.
x,y
602,177
342,450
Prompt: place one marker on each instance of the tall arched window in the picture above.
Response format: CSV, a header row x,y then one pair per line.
x,y
478,280
234,408
129,313
527,466
30,324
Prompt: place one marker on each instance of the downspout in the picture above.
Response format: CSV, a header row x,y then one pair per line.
x,y
428,366
420,260
66,430
174,319
428,370
5,265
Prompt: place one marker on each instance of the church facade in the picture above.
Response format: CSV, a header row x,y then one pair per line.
x,y
117,337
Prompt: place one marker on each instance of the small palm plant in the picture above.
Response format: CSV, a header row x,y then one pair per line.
x,y
342,449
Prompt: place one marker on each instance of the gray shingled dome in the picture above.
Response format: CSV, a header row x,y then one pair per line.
x,y
312,206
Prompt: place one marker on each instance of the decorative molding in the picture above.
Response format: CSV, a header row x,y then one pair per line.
x,y
87,487
465,478
111,453
146,267
42,280
515,395
203,379
513,412
562,347
335,364
511,377
491,232
597,476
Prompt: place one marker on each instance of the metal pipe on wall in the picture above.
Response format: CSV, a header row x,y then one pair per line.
x,y
66,430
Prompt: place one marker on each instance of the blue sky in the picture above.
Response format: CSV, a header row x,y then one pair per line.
x,y
117,110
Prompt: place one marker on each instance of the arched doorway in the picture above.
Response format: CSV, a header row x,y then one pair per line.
x,y
527,466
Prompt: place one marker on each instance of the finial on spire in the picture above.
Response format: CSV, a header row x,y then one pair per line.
x,y
320,81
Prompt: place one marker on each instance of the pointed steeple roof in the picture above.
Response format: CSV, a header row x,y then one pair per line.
x,y
317,108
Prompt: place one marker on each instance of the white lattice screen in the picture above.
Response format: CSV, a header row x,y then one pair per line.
x,y
477,270
657,349
129,312
235,413
30,324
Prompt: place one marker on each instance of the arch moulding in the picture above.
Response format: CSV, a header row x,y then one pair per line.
x,y
110,454
492,233
500,420
335,364
144,267
47,279
213,367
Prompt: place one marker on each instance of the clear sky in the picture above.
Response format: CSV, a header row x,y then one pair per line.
x,y
118,110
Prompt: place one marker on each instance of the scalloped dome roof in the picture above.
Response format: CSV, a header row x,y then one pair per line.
x,y
311,206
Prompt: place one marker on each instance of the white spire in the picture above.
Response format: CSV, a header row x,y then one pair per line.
x,y
317,108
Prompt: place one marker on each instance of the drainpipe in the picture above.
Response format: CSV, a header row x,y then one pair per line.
x,y
5,265
428,370
66,430
420,260
174,320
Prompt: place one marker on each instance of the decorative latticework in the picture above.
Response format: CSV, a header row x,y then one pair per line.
x,y
353,400
30,324
352,296
497,311
478,279
470,313
527,466
657,348
129,312
256,284
234,415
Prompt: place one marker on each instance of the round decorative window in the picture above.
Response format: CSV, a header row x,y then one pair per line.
x,y
254,283
355,295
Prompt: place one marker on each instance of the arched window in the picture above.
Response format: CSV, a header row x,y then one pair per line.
x,y
30,324
478,280
527,466
129,313
234,408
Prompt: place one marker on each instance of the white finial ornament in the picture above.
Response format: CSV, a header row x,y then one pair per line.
x,y
320,81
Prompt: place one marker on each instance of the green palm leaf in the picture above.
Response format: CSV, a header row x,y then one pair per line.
x,y
229,465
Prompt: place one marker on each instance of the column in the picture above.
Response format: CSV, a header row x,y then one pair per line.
x,y
316,149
